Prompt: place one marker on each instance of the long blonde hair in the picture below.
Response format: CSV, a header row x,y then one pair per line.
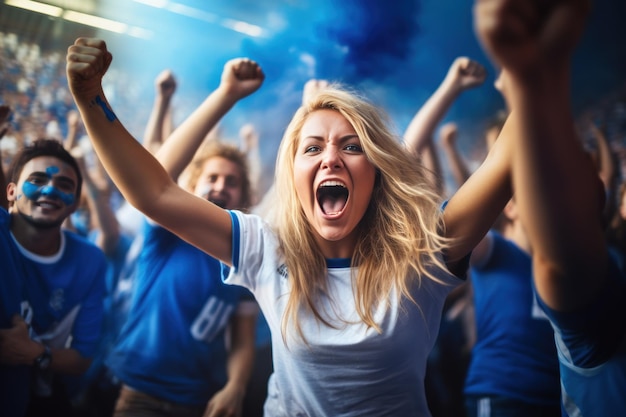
x,y
400,233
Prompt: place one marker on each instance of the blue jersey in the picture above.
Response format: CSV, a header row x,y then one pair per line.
x,y
114,311
172,345
514,355
60,296
591,344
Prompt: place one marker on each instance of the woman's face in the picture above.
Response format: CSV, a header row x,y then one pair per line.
x,y
334,181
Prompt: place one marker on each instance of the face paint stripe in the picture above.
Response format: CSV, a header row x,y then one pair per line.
x,y
32,192
107,111
52,170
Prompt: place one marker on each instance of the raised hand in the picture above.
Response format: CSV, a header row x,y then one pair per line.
x,y
311,87
448,134
165,84
466,73
73,119
241,77
87,61
520,35
249,138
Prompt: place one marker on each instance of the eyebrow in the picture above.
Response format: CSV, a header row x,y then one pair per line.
x,y
341,139
62,178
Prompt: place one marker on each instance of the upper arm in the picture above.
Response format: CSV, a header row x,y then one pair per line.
x,y
195,220
482,251
475,206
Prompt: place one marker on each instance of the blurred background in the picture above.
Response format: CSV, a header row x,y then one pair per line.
x,y
396,52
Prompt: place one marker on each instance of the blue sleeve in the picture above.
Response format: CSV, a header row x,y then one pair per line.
x,y
236,233
88,326
591,335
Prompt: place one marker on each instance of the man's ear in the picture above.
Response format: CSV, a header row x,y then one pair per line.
x,y
11,191
11,195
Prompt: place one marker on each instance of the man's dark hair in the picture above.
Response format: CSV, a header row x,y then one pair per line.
x,y
44,147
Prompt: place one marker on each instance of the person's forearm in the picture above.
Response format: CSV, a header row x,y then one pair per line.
x,y
108,224
457,165
242,351
69,361
71,138
153,134
180,147
482,197
607,165
138,175
551,171
430,161
422,127
98,199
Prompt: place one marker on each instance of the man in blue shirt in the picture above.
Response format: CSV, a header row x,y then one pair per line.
x,y
52,283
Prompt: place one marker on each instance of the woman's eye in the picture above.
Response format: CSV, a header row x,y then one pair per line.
x,y
309,149
354,148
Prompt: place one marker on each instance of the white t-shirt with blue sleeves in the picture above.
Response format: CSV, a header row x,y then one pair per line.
x,y
349,370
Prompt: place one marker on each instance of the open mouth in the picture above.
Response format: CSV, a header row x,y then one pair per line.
x,y
332,197
218,202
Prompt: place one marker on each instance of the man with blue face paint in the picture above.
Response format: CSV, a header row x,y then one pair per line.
x,y
52,284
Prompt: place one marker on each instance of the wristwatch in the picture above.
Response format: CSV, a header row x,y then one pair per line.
x,y
43,361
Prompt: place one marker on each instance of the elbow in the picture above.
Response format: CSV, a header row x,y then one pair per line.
x,y
147,200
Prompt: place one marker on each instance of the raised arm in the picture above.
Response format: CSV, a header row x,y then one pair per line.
x,y
606,164
240,78
476,205
138,175
165,87
249,138
556,185
73,124
463,74
5,112
98,192
448,139
313,86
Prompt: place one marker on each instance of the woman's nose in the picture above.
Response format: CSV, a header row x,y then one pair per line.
x,y
331,158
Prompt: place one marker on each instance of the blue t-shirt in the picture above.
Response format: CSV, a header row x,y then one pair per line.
x,y
60,296
591,345
114,313
514,355
172,345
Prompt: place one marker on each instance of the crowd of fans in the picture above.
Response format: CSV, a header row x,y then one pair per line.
x,y
39,104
